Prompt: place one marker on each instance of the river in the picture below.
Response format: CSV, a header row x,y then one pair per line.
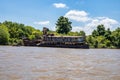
x,y
37,63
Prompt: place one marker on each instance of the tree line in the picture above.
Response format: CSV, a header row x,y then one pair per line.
x,y
12,33
104,38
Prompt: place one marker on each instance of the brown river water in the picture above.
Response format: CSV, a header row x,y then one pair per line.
x,y
37,63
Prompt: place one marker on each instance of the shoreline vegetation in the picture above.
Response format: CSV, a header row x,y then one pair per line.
x,y
12,33
53,47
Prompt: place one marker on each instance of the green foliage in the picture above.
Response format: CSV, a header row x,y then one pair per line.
x,y
102,38
108,34
15,41
29,30
63,25
95,33
4,35
100,42
31,37
116,38
82,33
108,43
101,30
37,34
18,31
90,39
73,34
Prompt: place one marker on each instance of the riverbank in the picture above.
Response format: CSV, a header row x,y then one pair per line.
x,y
53,47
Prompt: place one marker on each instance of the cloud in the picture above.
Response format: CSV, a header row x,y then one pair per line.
x,y
60,5
77,29
90,26
80,16
90,23
42,22
107,22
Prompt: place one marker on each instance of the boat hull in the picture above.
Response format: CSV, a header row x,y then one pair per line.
x,y
84,46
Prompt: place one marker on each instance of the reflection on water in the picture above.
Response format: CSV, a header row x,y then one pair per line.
x,y
36,63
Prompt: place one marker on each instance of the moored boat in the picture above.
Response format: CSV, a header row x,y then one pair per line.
x,y
57,41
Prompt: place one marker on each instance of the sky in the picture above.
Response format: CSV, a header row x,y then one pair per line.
x,y
84,14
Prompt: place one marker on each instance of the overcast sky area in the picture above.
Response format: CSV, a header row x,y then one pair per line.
x,y
84,14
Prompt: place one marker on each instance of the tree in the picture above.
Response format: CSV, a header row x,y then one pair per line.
x,y
101,41
101,30
4,35
19,31
29,30
101,37
82,33
12,28
90,40
95,44
63,25
94,33
116,38
108,34
37,34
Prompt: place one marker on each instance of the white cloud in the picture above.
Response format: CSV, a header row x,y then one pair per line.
x,y
60,5
80,16
90,26
107,22
42,22
77,28
90,23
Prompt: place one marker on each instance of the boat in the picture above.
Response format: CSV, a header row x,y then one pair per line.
x,y
49,40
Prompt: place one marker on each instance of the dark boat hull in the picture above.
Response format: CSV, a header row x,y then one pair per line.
x,y
85,46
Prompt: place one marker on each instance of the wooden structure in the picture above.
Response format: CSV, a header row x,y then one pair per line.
x,y
58,41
